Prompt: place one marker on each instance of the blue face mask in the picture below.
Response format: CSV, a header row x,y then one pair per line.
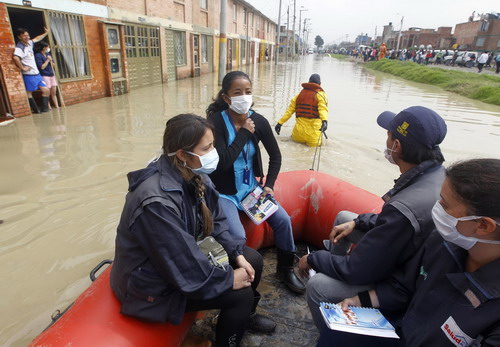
x,y
208,162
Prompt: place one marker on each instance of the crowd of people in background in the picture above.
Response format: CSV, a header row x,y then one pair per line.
x,y
426,56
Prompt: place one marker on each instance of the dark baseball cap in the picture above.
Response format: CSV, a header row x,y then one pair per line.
x,y
416,125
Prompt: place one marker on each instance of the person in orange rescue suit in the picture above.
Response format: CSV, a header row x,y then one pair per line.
x,y
311,111
383,51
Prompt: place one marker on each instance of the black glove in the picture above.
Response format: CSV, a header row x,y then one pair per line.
x,y
277,128
324,126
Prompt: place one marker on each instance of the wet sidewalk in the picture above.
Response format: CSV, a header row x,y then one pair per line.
x,y
486,70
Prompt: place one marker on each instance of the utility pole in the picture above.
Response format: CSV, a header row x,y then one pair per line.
x,y
304,42
279,35
293,29
399,35
287,34
300,33
307,35
222,41
247,43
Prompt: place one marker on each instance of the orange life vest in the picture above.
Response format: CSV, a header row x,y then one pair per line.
x,y
306,105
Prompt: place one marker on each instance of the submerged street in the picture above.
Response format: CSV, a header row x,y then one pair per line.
x,y
63,173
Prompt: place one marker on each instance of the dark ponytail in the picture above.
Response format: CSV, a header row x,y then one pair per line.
x,y
219,104
184,131
476,183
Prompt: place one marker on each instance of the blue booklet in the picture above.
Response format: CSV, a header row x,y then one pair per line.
x,y
358,320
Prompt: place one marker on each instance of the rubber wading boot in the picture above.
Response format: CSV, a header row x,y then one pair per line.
x,y
284,271
45,104
33,105
257,322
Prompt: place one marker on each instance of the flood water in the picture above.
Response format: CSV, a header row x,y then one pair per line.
x,y
63,174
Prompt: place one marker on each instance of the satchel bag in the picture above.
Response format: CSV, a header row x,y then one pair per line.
x,y
214,251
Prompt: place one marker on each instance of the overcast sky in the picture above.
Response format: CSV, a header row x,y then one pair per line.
x,y
334,19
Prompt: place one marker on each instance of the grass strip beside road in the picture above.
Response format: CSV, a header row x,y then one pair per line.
x,y
340,56
484,87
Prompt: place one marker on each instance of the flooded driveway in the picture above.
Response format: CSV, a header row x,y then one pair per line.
x,y
63,173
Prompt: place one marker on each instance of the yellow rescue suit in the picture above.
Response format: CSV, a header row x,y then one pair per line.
x,y
311,108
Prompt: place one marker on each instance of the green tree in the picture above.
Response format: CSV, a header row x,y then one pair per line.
x,y
318,42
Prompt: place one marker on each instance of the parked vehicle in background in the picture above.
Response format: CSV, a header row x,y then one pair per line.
x,y
448,60
468,59
310,51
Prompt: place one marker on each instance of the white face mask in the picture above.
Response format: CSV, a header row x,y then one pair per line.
x,y
388,154
241,104
48,50
208,162
446,225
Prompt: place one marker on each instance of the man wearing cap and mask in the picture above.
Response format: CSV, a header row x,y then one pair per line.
x,y
311,110
384,241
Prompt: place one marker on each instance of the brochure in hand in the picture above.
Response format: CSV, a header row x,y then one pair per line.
x,y
257,206
358,320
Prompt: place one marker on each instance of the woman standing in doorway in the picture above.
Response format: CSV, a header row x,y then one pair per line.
x,y
238,131
43,60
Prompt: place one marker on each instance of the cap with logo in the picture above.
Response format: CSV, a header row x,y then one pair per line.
x,y
416,125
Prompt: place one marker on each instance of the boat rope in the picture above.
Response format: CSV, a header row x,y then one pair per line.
x,y
319,144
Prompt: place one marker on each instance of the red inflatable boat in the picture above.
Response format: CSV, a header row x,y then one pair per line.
x,y
312,199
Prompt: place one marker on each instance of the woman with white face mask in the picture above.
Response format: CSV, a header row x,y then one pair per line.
x,y
238,132
159,272
451,288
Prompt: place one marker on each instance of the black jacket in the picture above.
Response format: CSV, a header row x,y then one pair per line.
x,y
158,264
393,236
223,177
446,305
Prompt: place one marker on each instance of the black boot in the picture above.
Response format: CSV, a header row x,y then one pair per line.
x,y
257,322
284,271
33,105
45,105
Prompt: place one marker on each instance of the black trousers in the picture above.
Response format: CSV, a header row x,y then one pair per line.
x,y
235,305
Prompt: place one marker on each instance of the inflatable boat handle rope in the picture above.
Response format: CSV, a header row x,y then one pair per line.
x,y
316,150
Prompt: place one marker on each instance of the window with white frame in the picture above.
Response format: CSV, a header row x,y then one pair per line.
x,y
235,14
245,16
70,50
204,48
180,48
480,41
204,4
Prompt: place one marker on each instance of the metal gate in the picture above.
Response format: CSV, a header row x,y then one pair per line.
x,y
143,55
169,44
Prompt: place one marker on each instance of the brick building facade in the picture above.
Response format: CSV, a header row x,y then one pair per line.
x,y
108,47
481,35
415,37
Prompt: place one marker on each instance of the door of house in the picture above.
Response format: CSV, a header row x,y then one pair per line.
x,y
170,47
4,100
196,54
32,20
143,55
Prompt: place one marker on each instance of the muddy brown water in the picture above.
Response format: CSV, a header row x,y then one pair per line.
x,y
63,173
